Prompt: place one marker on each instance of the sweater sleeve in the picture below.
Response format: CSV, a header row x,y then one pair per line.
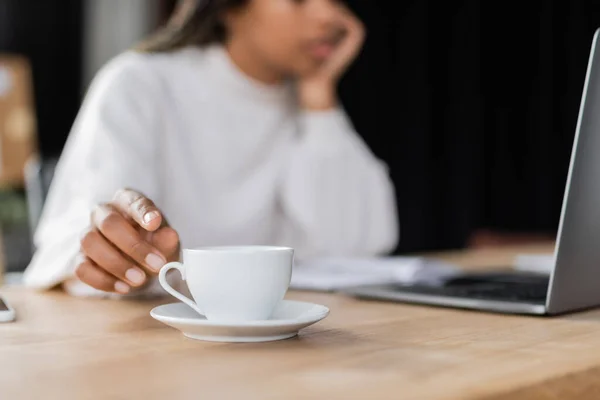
x,y
113,144
336,196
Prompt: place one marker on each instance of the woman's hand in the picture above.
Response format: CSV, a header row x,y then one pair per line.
x,y
318,91
129,241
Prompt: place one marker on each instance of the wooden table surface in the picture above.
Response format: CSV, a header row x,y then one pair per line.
x,y
66,348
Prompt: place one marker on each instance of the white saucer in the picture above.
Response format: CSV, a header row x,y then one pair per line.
x,y
288,318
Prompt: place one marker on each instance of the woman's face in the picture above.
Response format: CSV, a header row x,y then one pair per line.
x,y
292,37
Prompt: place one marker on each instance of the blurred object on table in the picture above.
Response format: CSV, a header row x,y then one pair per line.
x,y
485,238
14,226
38,177
539,263
18,138
12,279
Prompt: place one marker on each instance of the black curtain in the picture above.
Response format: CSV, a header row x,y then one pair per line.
x,y
49,34
473,105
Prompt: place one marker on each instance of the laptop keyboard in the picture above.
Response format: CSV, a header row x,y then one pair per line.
x,y
532,290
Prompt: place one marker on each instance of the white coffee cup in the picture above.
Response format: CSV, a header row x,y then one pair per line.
x,y
232,284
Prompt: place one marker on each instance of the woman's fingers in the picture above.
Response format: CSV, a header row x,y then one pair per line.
x,y
351,43
129,240
166,240
92,275
124,236
139,208
110,259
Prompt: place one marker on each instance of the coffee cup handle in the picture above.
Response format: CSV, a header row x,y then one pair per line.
x,y
162,279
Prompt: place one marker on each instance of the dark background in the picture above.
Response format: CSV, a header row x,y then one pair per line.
x,y
473,104
49,33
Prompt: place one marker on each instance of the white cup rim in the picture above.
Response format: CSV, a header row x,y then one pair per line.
x,y
238,249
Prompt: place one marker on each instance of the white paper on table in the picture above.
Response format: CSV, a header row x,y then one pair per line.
x,y
332,274
538,263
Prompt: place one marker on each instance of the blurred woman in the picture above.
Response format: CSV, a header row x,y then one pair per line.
x,y
227,124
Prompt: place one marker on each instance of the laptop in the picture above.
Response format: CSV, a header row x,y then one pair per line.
x,y
574,283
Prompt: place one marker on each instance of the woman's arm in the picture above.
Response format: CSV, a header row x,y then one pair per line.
x,y
336,195
113,144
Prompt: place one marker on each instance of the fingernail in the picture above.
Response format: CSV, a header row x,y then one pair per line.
x,y
151,216
135,276
121,287
155,261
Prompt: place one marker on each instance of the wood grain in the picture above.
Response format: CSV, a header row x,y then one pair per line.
x,y
65,348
